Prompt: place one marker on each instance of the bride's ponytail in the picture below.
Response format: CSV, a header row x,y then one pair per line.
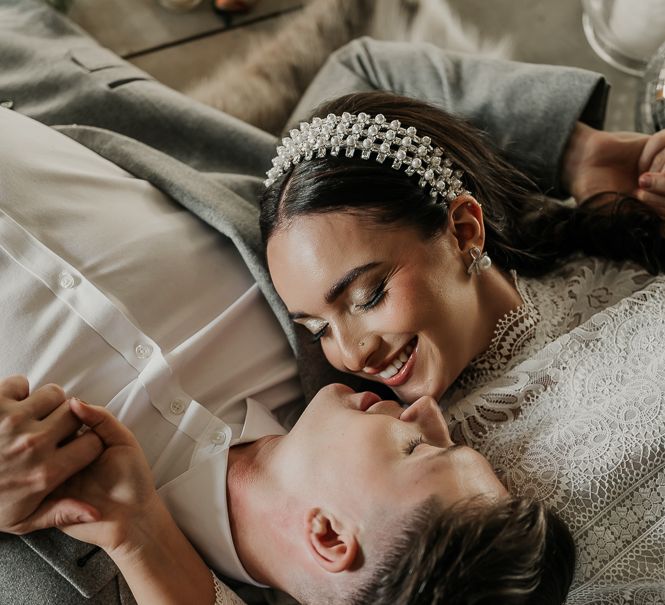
x,y
610,226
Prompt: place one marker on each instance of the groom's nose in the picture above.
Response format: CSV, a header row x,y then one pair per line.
x,y
425,413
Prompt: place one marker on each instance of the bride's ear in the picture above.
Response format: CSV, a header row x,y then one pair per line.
x,y
465,222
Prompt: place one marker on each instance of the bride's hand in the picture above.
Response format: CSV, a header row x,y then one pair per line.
x,y
131,523
118,485
629,163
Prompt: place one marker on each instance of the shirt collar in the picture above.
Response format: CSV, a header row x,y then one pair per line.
x,y
259,422
198,499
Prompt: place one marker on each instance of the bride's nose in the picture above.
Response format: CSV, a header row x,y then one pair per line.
x,y
425,413
355,349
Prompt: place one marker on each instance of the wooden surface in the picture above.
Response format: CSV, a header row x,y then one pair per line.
x,y
136,27
183,65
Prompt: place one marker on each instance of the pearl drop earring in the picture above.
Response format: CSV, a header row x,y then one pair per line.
x,y
481,261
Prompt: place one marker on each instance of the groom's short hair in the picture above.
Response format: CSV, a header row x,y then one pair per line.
x,y
514,552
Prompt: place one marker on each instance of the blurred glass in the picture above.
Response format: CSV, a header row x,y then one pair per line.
x,y
650,109
624,33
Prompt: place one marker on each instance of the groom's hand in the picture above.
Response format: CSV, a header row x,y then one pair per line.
x,y
629,163
39,450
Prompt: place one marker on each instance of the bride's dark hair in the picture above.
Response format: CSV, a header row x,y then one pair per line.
x,y
524,230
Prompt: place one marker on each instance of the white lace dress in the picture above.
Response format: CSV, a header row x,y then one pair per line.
x,y
568,404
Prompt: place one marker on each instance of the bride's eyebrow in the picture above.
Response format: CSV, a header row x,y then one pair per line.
x,y
346,280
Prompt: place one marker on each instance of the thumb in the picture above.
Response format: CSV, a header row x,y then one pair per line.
x,y
653,148
107,427
59,513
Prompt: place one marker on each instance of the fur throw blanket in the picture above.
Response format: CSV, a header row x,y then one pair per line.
x,y
264,88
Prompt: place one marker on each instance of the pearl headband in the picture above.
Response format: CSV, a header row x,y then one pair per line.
x,y
371,135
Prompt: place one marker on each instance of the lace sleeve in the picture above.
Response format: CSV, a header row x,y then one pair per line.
x,y
223,594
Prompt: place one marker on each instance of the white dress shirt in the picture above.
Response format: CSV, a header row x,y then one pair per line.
x,y
123,297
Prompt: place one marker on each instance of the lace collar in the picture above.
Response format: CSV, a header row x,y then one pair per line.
x,y
513,332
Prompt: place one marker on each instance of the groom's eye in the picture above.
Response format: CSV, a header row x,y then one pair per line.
x,y
413,444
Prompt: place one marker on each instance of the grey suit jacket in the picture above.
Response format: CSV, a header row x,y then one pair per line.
x,y
214,164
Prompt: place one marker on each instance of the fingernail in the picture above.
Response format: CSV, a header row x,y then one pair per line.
x,y
86,518
645,181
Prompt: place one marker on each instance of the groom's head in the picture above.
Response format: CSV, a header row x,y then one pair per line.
x,y
377,505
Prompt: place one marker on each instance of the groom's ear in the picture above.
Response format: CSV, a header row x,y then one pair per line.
x,y
332,543
465,222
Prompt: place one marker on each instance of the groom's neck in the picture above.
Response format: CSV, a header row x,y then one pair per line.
x,y
254,501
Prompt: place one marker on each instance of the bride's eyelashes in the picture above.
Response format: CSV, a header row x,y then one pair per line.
x,y
317,336
376,297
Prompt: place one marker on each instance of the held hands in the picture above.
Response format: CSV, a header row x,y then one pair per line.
x,y
95,486
118,486
626,162
37,454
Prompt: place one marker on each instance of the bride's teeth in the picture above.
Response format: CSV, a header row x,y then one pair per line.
x,y
392,369
403,356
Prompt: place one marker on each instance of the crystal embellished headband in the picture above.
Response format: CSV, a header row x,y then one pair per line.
x,y
370,135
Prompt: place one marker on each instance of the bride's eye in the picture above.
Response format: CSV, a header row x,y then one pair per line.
x,y
413,444
375,298
318,335
316,327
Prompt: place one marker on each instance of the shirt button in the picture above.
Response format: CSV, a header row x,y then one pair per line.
x,y
177,406
218,438
143,351
66,280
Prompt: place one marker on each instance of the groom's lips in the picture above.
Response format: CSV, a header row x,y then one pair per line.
x,y
367,400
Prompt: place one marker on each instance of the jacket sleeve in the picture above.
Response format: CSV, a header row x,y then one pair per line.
x,y
527,110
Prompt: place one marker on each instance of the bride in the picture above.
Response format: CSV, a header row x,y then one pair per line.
x,y
420,260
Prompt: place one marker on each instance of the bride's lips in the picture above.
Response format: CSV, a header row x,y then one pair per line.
x,y
404,372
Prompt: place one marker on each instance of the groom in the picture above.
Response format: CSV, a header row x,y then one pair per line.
x,y
144,359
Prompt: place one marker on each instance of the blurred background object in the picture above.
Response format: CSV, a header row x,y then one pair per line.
x,y
61,5
179,5
233,5
625,33
650,108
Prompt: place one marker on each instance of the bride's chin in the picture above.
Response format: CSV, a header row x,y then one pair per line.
x,y
412,392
